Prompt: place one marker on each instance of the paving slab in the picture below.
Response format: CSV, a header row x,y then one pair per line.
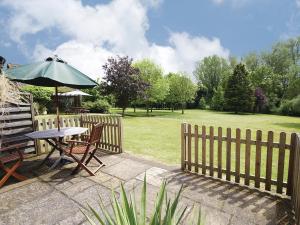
x,y
48,209
126,169
24,194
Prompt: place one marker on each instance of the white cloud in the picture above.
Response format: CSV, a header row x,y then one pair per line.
x,y
97,32
234,3
298,3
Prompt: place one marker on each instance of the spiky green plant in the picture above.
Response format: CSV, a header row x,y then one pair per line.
x,y
125,211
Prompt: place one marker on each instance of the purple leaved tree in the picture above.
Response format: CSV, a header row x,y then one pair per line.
x,y
123,81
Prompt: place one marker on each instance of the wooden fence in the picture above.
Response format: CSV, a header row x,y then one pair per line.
x,y
112,137
254,162
296,181
16,119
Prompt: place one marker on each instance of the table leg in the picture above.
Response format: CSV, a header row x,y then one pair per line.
x,y
47,157
57,161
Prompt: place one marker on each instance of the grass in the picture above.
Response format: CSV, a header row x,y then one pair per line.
x,y
158,135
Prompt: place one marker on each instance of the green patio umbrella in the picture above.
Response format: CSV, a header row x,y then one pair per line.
x,y
53,72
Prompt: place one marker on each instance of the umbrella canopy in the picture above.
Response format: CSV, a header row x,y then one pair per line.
x,y
74,93
53,72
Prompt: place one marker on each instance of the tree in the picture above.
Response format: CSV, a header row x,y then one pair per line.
x,y
211,72
158,85
217,102
238,92
182,89
252,61
260,100
123,80
264,78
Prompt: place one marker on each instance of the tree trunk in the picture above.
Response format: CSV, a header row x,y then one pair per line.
x,y
147,110
182,108
134,109
151,108
123,112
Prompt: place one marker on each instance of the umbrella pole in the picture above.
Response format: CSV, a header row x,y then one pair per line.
x,y
57,108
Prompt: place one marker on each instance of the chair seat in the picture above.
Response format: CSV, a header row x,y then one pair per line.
x,y
9,158
79,149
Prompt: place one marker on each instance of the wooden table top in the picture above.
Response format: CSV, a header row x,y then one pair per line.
x,y
54,133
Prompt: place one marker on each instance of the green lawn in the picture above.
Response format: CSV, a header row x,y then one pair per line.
x,y
158,135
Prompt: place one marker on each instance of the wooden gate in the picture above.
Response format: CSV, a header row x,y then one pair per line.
x,y
266,164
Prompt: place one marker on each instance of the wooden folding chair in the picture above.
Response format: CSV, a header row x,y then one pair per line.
x,y
88,146
11,155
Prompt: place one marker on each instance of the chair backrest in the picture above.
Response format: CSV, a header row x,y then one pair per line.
x,y
96,133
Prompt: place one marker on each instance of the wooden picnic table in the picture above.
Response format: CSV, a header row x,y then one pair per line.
x,y
54,138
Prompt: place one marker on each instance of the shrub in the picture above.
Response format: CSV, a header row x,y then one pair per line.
x,y
291,107
99,106
41,95
202,103
126,210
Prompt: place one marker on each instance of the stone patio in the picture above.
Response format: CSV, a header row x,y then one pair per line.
x,y
56,197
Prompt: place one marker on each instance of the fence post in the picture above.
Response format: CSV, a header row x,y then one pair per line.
x,y
296,181
183,145
121,134
289,190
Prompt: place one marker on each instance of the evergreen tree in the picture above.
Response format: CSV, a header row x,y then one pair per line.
x,y
217,102
238,92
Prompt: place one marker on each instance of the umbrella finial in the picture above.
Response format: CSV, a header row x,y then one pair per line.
x,y
55,58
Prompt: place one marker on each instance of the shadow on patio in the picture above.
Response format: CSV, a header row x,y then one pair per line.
x,y
55,197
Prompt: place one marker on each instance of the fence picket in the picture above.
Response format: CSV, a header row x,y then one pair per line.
x,y
196,148
203,150
281,157
211,151
237,155
247,157
220,152
269,161
189,147
258,158
291,165
183,146
228,154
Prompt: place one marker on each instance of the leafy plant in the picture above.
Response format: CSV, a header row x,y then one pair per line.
x,y
125,210
99,106
41,95
291,107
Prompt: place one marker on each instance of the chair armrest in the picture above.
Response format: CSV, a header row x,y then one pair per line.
x,y
13,147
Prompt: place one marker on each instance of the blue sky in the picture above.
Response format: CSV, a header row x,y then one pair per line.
x,y
174,33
